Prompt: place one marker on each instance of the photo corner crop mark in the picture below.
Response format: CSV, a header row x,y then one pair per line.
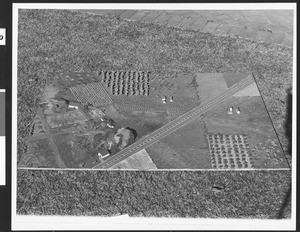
x,y
2,36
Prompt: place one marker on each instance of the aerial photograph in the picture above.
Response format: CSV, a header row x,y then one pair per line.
x,y
154,112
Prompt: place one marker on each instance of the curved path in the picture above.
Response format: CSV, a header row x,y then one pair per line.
x,y
174,125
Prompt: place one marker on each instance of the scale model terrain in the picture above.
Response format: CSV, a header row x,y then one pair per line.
x,y
114,119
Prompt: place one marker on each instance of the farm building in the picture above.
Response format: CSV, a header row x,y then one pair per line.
x,y
103,153
73,105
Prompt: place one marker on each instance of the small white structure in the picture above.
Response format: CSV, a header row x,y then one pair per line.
x,y
238,111
230,111
73,107
103,155
109,125
171,99
164,99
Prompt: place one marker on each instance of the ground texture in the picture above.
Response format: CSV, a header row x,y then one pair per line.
x,y
51,42
253,194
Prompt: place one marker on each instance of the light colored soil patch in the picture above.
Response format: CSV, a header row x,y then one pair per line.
x,y
210,85
49,93
140,160
67,118
249,91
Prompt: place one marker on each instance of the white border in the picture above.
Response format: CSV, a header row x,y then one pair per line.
x,y
3,152
2,160
294,119
14,119
163,6
124,222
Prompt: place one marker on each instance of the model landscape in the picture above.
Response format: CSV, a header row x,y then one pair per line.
x,y
129,120
100,93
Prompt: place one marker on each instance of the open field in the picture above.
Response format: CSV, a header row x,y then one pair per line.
x,y
139,161
210,85
254,122
165,156
192,135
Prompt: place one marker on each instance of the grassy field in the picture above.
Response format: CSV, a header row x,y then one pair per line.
x,y
253,194
55,41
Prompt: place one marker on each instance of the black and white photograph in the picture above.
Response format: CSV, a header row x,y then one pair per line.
x,y
153,116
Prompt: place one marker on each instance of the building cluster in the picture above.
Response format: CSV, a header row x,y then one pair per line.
x,y
164,99
237,110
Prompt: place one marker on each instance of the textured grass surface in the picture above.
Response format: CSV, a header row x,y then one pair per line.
x,y
170,194
54,41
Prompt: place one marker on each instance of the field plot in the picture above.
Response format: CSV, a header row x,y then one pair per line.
x,y
233,78
40,154
250,91
76,151
167,157
192,135
66,118
180,106
210,85
254,122
93,93
139,161
185,148
128,83
229,151
67,80
143,123
139,103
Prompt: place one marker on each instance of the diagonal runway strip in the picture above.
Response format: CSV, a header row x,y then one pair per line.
x,y
174,125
